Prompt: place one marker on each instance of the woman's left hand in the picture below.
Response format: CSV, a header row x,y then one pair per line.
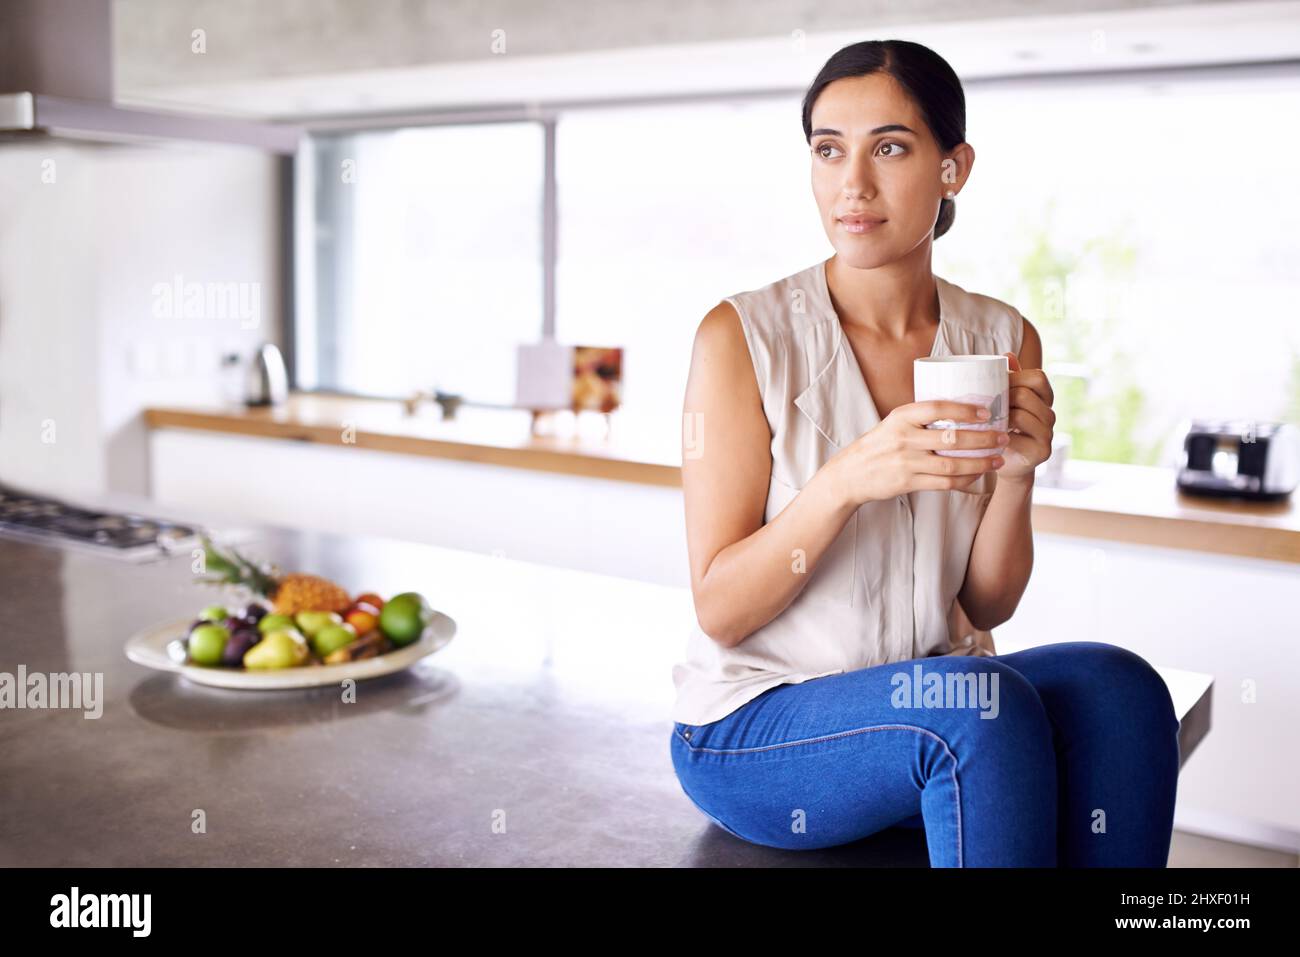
x,y
1030,421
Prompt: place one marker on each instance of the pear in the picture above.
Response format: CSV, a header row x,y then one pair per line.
x,y
282,648
333,637
270,623
310,622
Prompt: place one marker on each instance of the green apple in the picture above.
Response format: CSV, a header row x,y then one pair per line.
x,y
333,637
206,644
310,622
271,623
404,617
283,648
214,613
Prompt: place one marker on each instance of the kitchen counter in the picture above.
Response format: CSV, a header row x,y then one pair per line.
x,y
1100,500
1142,505
539,736
490,435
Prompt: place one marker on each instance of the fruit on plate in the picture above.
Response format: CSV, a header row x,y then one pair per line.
x,y
270,641
273,622
363,618
237,646
404,617
310,622
282,648
207,643
303,619
289,594
331,638
371,599
369,645
214,613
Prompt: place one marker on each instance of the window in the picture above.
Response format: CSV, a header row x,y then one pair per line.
x,y
1150,232
665,211
1147,228
428,258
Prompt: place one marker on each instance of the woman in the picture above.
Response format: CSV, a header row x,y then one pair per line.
x,y
829,543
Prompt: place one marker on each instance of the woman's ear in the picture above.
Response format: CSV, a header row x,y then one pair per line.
x,y
956,168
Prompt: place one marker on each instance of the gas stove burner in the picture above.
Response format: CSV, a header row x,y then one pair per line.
x,y
34,518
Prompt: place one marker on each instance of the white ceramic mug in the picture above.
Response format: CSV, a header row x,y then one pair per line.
x,y
979,380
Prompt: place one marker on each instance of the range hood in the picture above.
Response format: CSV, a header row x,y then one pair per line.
x,y
56,80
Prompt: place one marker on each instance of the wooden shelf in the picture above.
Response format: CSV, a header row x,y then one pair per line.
x,y
1123,503
1143,506
492,436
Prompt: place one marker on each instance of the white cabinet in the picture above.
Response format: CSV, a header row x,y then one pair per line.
x,y
600,525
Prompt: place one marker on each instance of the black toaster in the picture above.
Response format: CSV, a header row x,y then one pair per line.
x,y
1240,458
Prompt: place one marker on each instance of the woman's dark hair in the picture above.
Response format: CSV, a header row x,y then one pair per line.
x,y
926,77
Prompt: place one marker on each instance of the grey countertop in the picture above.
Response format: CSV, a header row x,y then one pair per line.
x,y
539,736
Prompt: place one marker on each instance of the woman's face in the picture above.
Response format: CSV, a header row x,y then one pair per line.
x,y
873,155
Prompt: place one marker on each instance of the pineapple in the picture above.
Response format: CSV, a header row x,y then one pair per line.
x,y
289,594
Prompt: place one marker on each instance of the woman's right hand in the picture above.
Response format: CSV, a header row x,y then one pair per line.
x,y
898,455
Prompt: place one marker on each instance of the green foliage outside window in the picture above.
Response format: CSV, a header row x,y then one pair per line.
x,y
1104,412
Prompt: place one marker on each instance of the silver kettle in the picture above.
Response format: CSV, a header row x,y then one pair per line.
x,y
268,381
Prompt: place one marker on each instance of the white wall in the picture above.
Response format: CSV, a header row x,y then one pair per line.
x,y
80,344
49,336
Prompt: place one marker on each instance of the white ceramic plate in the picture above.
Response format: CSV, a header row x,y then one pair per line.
x,y
160,647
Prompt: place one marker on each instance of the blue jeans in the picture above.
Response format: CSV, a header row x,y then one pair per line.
x,y
1062,755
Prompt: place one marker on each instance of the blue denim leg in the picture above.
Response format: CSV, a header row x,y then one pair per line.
x,y
835,759
1116,738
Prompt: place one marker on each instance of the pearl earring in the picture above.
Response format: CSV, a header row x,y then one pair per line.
x,y
949,194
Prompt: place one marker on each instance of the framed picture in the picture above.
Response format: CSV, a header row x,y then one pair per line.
x,y
551,376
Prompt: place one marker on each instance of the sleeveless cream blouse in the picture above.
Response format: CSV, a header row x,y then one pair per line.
x,y
886,588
